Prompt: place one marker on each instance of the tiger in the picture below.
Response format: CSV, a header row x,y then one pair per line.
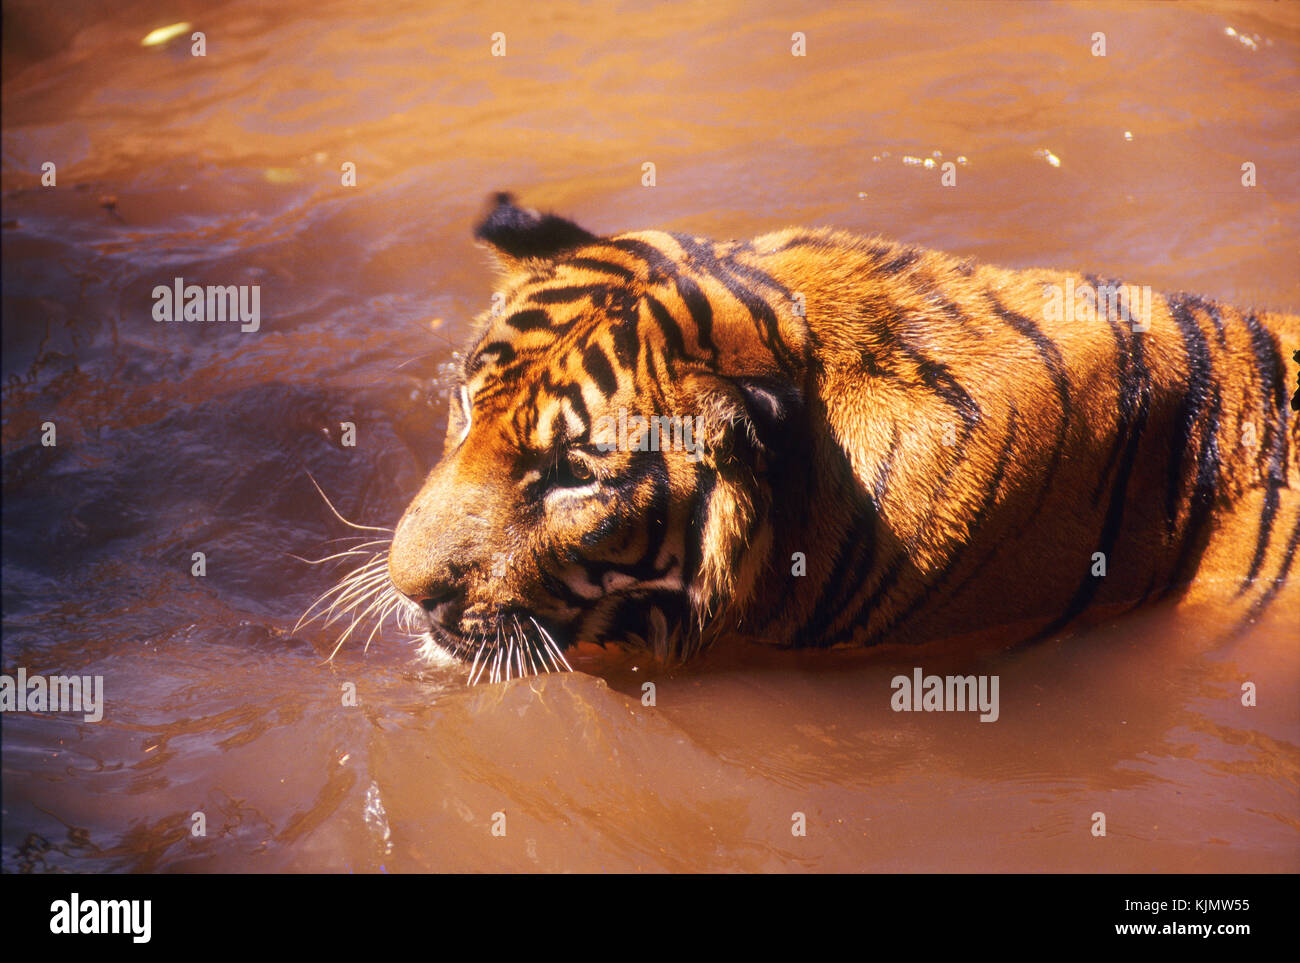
x,y
877,443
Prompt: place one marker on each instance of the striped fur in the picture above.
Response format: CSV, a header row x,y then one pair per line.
x,y
946,455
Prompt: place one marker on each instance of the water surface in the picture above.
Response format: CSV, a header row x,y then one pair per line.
x,y
180,438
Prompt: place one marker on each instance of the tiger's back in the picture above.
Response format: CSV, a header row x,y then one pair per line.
x,y
1029,445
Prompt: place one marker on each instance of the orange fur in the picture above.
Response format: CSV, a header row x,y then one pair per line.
x,y
947,446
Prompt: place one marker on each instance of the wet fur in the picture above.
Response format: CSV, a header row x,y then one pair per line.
x,y
945,456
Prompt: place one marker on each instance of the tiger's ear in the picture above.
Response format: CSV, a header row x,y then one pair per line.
x,y
752,415
518,234
774,408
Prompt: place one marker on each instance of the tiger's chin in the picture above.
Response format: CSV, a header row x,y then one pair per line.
x,y
523,644
509,648
434,652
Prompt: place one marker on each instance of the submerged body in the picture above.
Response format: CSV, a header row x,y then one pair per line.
x,y
888,444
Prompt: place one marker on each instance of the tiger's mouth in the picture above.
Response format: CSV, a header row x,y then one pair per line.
x,y
512,643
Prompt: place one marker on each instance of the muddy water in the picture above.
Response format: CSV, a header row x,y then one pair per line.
x,y
175,439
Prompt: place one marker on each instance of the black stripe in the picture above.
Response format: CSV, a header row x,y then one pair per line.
x,y
529,320
759,309
659,264
938,377
846,579
503,351
1191,403
603,529
526,417
800,240
1272,382
604,267
1200,509
1196,302
567,295
701,312
935,375
1054,361
853,559
1046,347
573,394
869,604
646,466
1216,318
880,485
1131,384
627,342
540,274
1263,602
668,325
1266,518
754,274
655,515
956,313
990,492
597,365
1109,535
904,260
712,257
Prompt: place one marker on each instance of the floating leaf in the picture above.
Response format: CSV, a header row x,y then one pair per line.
x,y
163,34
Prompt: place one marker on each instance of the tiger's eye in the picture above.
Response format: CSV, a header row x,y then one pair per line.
x,y
580,470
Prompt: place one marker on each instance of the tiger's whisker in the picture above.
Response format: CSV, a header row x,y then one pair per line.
x,y
371,528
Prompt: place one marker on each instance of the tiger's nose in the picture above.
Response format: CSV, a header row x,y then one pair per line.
x,y
420,565
436,597
418,572
442,603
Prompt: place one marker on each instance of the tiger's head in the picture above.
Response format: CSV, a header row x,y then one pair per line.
x,y
614,446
